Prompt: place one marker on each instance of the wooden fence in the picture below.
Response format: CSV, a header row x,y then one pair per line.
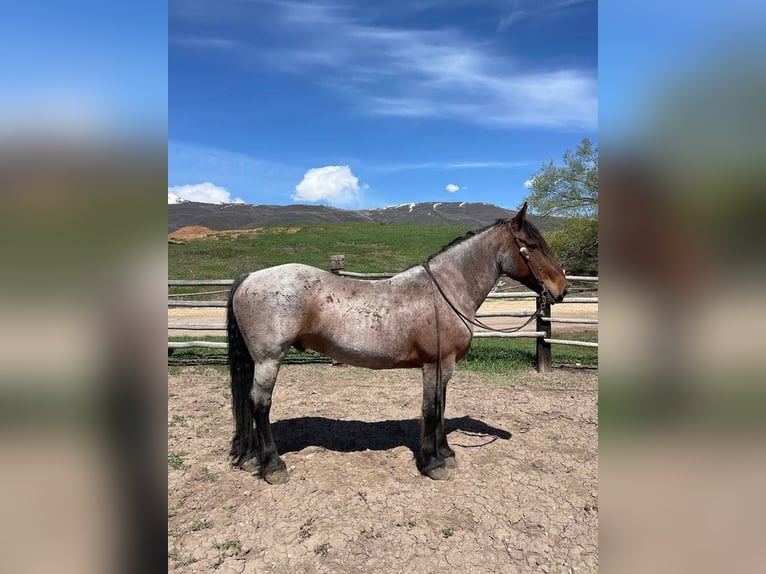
x,y
542,333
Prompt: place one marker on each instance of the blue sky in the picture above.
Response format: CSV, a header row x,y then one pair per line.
x,y
361,104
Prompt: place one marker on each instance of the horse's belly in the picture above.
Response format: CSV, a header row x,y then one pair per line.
x,y
364,348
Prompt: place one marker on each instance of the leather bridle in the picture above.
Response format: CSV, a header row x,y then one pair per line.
x,y
524,252
439,386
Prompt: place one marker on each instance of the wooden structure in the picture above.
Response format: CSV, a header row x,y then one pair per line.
x,y
542,333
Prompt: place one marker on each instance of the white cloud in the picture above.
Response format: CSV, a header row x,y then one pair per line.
x,y
530,182
206,192
232,170
334,184
452,188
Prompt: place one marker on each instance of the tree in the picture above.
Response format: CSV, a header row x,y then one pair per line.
x,y
570,192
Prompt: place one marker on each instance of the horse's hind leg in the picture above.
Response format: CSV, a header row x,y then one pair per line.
x,y
251,460
273,468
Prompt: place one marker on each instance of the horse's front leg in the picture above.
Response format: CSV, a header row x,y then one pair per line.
x,y
433,441
442,447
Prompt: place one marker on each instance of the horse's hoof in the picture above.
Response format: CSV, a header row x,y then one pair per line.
x,y
450,462
276,477
251,465
438,473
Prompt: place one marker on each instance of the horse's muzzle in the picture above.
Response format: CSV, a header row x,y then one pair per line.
x,y
551,300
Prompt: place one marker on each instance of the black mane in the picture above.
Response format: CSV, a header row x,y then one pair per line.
x,y
468,235
529,228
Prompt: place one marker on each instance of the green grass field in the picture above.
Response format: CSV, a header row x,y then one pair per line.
x,y
486,355
368,247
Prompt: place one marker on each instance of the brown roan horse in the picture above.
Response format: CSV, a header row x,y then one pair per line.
x,y
422,317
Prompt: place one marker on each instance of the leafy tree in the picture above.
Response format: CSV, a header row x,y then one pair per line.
x,y
570,191
576,246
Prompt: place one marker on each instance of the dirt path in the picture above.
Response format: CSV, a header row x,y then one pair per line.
x,y
212,315
524,497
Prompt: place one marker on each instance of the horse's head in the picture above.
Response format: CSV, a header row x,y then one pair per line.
x,y
530,261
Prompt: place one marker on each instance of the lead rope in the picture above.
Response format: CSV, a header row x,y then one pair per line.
x,y
475,322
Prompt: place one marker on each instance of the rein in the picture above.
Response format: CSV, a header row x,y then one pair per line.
x,y
532,268
439,390
468,320
476,322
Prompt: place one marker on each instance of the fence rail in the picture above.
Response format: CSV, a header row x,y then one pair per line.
x,y
196,303
200,282
542,333
195,344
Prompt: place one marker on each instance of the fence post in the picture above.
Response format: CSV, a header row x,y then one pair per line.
x,y
337,263
543,348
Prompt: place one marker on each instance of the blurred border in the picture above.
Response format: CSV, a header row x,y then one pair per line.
x,y
83,172
682,397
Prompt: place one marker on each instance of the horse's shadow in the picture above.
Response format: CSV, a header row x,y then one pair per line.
x,y
292,435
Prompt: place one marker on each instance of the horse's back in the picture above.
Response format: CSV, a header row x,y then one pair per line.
x,y
369,323
291,271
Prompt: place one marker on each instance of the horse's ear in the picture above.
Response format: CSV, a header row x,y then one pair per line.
x,y
518,220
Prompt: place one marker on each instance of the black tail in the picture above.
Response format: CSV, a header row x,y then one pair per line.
x,y
242,369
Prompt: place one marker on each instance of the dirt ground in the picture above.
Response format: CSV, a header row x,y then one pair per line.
x,y
524,497
200,232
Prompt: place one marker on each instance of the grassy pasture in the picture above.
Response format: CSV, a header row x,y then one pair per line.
x,y
486,355
368,247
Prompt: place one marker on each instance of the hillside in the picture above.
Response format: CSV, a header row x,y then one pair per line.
x,y
245,216
367,247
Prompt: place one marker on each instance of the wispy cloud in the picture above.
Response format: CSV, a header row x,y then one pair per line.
x,y
261,181
204,42
398,71
527,9
217,160
449,165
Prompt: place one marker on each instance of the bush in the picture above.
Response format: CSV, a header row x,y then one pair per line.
x,y
576,246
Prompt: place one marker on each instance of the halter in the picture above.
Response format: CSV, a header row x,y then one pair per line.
x,y
476,322
532,269
439,386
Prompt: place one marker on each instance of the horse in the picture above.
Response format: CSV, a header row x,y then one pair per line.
x,y
421,318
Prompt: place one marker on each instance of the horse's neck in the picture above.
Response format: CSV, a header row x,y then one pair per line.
x,y
468,271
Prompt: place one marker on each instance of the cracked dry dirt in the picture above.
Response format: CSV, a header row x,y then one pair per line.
x,y
524,497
